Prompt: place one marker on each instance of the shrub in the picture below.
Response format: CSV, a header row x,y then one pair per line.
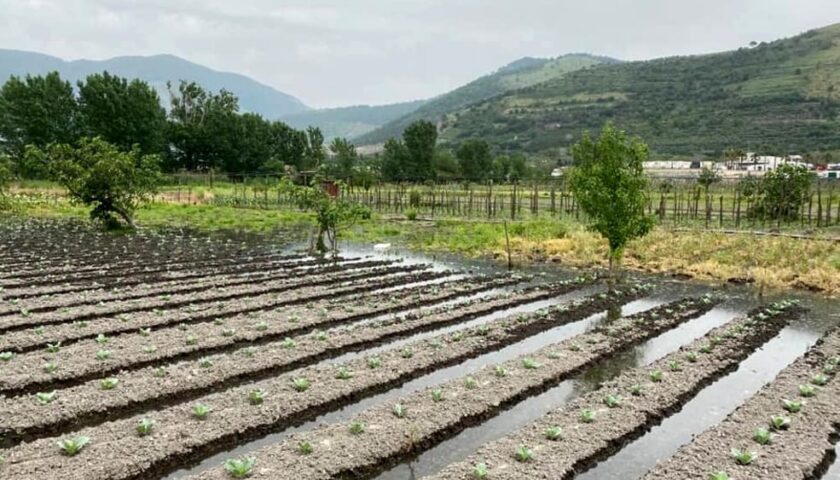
x,y
72,446
411,214
239,468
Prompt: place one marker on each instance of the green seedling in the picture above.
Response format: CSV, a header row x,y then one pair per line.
x,y
829,368
612,401
437,395
399,411
500,371
530,363
343,373
145,332
305,448
288,343
574,347
553,433
109,383
587,416
191,340
53,347
691,357
407,352
300,384
50,367
357,428
6,356
374,362
46,397
791,406
205,362
762,436
480,471
779,422
261,327
656,375
636,390
470,383
72,446
160,372
200,411
256,397
150,349
249,351
103,354
102,339
239,468
321,335
145,427
228,332
819,379
707,348
807,391
674,366
554,355
719,476
743,457
523,454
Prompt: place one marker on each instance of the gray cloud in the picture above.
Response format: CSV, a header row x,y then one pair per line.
x,y
341,52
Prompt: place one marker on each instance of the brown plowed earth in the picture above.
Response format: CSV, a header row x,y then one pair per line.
x,y
116,453
803,451
125,282
388,438
86,312
48,303
88,404
28,340
583,444
78,362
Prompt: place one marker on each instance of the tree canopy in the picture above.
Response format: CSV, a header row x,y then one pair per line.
x,y
609,184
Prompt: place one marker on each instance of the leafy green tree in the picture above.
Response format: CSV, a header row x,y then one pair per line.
x,y
5,180
609,184
315,153
420,139
203,127
36,111
446,165
395,160
288,146
345,157
510,167
707,178
97,174
123,113
783,191
252,144
475,159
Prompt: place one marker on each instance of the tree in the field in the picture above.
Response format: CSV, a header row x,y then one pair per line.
x,y
420,139
609,184
315,153
97,174
36,111
707,178
5,180
202,128
253,144
475,159
288,146
394,160
345,158
123,113
783,191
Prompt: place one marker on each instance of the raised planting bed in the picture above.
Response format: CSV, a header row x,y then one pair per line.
x,y
116,452
567,441
86,312
46,303
262,304
139,389
123,280
802,449
78,362
414,422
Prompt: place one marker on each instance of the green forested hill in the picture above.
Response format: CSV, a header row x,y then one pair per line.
x,y
521,73
781,96
350,122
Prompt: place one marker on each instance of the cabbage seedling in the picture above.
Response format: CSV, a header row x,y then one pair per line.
x,y
50,367
553,433
407,352
523,454
6,356
343,373
612,401
819,379
300,384
205,362
743,457
807,391
72,446
437,395
261,327
200,411
674,366
719,476
779,422
102,339
500,371
481,471
145,427
762,436
374,362
239,468
357,428
53,347
587,416
691,357
103,354
791,406
530,363
636,390
46,397
305,448
470,383
656,375
109,383
399,411
256,397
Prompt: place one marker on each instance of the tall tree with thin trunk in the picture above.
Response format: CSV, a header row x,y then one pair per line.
x,y
609,184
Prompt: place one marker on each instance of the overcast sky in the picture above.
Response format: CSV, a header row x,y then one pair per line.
x,y
344,52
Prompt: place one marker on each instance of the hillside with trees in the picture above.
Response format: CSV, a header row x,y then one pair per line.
x,y
779,97
350,122
521,73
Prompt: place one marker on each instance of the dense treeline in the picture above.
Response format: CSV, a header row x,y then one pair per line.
x,y
201,131
205,131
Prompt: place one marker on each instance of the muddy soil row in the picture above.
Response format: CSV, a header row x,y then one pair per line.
x,y
78,362
51,302
86,259
116,308
803,450
116,453
195,271
264,305
46,282
423,420
622,409
140,389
